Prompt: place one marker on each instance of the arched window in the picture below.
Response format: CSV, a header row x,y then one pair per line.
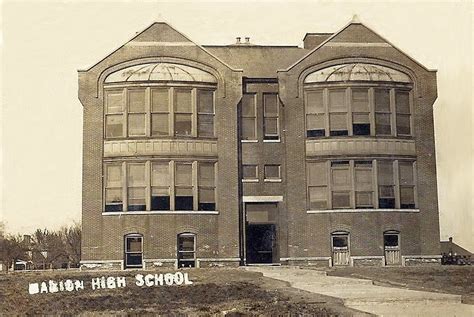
x,y
358,99
159,99
133,250
186,249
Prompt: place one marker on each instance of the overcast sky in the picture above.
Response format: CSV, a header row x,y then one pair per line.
x,y
43,43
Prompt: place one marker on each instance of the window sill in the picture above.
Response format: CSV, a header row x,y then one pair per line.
x,y
249,141
272,180
164,212
272,141
250,181
359,210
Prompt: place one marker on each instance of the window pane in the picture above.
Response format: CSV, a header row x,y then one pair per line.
x,y
406,173
136,124
186,243
341,178
134,244
390,240
317,174
403,124
386,192
340,200
338,121
382,100
205,101
136,100
136,199
206,195
114,175
184,174
270,104
402,101
114,102
407,197
183,101
184,199
360,118
385,173
160,174
182,124
206,125
272,171
318,198
206,175
248,105
360,100
248,128
159,100
337,100
314,101
136,175
271,126
363,179
160,199
364,199
340,241
114,126
249,172
159,124
113,195
382,124
314,122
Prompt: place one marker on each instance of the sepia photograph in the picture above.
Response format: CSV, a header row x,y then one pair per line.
x,y
236,158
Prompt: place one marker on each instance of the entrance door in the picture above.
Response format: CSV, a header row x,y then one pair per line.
x,y
391,243
340,249
261,243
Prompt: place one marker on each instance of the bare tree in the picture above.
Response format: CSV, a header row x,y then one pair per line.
x,y
11,249
71,237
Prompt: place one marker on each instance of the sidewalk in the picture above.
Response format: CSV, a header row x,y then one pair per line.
x,y
363,295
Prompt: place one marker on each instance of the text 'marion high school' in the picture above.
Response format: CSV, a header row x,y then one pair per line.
x,y
227,155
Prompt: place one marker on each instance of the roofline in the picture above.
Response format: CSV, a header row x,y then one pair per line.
x,y
317,33
337,33
185,36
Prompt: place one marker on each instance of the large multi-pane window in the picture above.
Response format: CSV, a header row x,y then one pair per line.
x,y
149,186
159,111
249,117
358,111
354,184
271,124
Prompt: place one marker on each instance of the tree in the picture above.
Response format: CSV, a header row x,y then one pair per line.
x,y
71,237
11,249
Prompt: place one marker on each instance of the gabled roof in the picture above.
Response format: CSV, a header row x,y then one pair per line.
x,y
165,34
355,32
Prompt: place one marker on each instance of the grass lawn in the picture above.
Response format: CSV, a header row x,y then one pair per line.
x,y
213,291
444,279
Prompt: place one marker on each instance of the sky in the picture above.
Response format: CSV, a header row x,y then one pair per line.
x,y
44,43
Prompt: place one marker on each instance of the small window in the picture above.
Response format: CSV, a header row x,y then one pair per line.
x,y
249,117
271,124
382,112
136,187
386,184
250,172
183,112
337,113
317,185
184,198
315,114
407,185
114,105
206,181
205,105
113,188
402,103
133,251
390,241
160,182
160,112
360,112
272,172
186,250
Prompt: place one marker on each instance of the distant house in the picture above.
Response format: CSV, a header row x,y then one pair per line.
x,y
449,247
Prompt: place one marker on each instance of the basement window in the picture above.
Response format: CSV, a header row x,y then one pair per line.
x,y
186,250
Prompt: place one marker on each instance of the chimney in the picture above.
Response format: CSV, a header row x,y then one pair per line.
x,y
247,40
27,240
237,40
312,40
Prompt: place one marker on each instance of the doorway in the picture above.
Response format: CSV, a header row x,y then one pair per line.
x,y
391,243
261,234
340,248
